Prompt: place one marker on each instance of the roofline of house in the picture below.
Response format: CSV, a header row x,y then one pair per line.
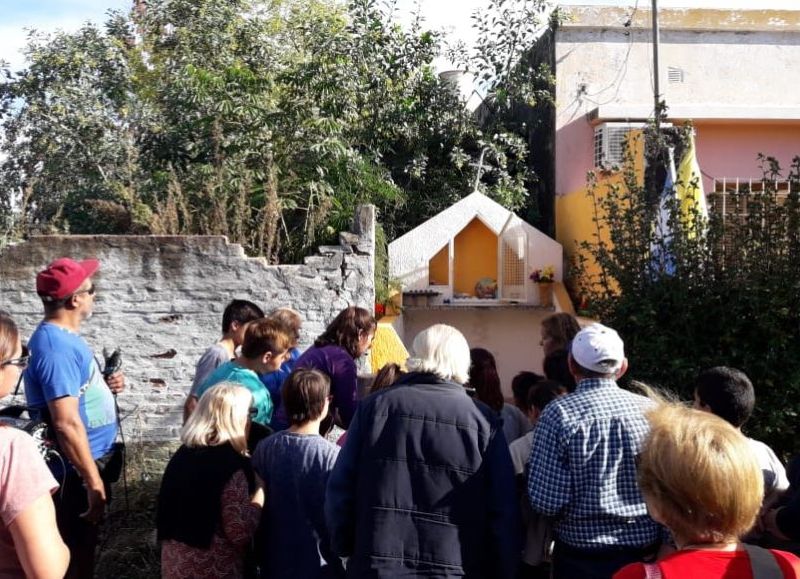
x,y
689,19
641,112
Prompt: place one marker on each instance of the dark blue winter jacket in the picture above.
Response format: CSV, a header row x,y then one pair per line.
x,y
424,487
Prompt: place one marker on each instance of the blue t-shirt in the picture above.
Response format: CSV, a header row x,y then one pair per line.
x,y
233,372
62,365
274,382
295,469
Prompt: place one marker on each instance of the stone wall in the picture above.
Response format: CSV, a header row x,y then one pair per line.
x,y
160,299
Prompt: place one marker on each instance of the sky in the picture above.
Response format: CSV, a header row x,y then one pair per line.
x,y
453,16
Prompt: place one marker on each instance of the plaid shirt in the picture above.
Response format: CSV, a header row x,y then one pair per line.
x,y
582,468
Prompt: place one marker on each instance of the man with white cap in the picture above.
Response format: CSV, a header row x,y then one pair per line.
x,y
582,469
65,384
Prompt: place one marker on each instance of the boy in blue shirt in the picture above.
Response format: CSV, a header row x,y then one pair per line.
x,y
265,347
291,322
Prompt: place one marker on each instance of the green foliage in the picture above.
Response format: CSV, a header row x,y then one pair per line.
x,y
732,299
266,122
514,86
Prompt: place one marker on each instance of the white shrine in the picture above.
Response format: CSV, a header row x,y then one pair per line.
x,y
469,267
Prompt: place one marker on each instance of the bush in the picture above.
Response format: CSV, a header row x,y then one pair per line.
x,y
729,298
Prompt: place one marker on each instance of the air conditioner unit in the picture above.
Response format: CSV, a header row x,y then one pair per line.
x,y
610,141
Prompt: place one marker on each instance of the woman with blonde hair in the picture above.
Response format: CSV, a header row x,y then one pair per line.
x,y
700,479
30,545
210,500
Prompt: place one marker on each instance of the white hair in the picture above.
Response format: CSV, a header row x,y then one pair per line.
x,y
443,351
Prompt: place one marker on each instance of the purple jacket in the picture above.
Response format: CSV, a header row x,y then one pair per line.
x,y
340,367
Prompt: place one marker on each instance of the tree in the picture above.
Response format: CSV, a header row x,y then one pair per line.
x,y
729,298
266,122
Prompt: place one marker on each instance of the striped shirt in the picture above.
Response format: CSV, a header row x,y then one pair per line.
x,y
582,468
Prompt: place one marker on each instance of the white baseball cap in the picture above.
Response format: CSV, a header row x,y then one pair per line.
x,y
598,348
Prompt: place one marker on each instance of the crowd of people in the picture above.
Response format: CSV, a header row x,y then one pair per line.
x,y
287,470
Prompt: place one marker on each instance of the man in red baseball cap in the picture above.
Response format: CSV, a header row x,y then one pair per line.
x,y
63,278
66,385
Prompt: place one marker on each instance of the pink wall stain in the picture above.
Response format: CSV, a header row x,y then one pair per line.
x,y
574,155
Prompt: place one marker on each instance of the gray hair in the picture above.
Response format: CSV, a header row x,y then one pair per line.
x,y
443,351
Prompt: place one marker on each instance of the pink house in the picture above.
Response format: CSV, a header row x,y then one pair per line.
x,y
733,73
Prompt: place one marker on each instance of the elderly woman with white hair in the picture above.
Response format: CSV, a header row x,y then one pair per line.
x,y
424,485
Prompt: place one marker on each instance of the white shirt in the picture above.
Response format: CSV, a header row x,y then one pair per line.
x,y
775,480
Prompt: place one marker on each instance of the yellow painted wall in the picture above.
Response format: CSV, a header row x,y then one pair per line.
x,y
575,211
387,347
475,256
439,267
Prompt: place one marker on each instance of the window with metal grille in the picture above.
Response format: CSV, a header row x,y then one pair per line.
x,y
730,196
732,200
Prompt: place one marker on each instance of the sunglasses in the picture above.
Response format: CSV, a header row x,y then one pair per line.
x,y
253,412
21,362
89,291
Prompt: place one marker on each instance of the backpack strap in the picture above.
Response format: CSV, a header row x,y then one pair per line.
x,y
763,563
652,571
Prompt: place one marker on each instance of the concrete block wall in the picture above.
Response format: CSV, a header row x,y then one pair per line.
x,y
160,299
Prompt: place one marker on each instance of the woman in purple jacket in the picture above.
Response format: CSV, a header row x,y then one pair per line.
x,y
348,337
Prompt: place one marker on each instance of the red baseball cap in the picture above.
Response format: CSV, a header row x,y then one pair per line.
x,y
63,277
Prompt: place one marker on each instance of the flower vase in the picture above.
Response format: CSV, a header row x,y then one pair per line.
x,y
545,294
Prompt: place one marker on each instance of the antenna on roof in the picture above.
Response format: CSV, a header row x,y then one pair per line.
x,y
656,68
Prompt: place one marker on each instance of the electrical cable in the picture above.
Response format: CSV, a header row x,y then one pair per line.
x,y
124,457
622,71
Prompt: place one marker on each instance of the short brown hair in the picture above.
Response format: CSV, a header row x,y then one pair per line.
x,y
290,320
700,475
561,328
262,336
303,395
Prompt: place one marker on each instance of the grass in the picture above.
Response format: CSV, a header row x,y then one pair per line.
x,y
127,545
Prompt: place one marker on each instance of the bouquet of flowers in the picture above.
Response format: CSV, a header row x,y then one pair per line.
x,y
544,275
